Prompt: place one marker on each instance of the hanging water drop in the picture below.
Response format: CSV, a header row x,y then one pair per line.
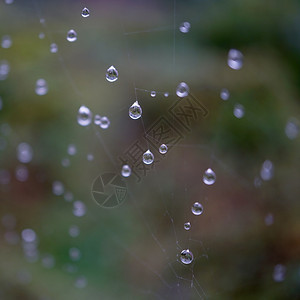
x,y
166,94
72,35
6,42
292,128
53,48
112,74
104,122
239,111
97,120
84,116
267,170
186,257
224,94
135,111
148,157
235,59
187,226
4,69
85,12
197,209
41,87
209,177
41,35
182,90
72,149
24,153
163,149
185,27
153,94
126,171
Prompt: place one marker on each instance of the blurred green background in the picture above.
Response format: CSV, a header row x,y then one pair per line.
x,y
246,243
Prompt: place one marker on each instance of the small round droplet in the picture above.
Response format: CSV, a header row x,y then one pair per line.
x,y
182,90
135,111
58,188
185,27
112,74
41,35
72,36
22,173
90,157
53,48
279,273
224,94
239,111
24,153
267,170
4,69
9,1
187,226
6,42
186,257
163,149
84,116
153,94
292,128
65,162
235,59
41,87
104,123
85,12
148,157
209,177
97,120
74,254
79,209
166,94
80,282
197,209
126,171
74,231
72,149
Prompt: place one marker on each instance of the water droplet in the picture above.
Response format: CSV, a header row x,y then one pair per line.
x,y
79,209
80,282
185,27
104,124
197,209
112,74
292,129
267,170
9,1
90,157
153,94
166,94
72,149
48,261
74,254
148,157
126,171
65,162
85,12
6,42
224,94
41,35
279,273
53,48
187,226
24,153
163,149
74,231
68,196
235,59
41,87
182,90
97,120
209,177
4,69
72,35
58,188
186,257
21,173
28,235
84,116
239,111
135,111
269,219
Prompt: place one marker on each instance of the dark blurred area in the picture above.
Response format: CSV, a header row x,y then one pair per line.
x,y
56,242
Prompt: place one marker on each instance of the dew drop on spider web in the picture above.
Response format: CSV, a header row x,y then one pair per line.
x,y
186,257
148,157
135,111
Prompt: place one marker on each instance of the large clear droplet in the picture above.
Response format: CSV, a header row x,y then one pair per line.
x,y
182,90
185,27
187,226
112,74
224,94
186,257
24,153
209,177
53,48
292,129
85,12
6,42
72,35
104,122
235,59
163,149
239,111
41,87
84,116
126,171
148,157
197,209
135,111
